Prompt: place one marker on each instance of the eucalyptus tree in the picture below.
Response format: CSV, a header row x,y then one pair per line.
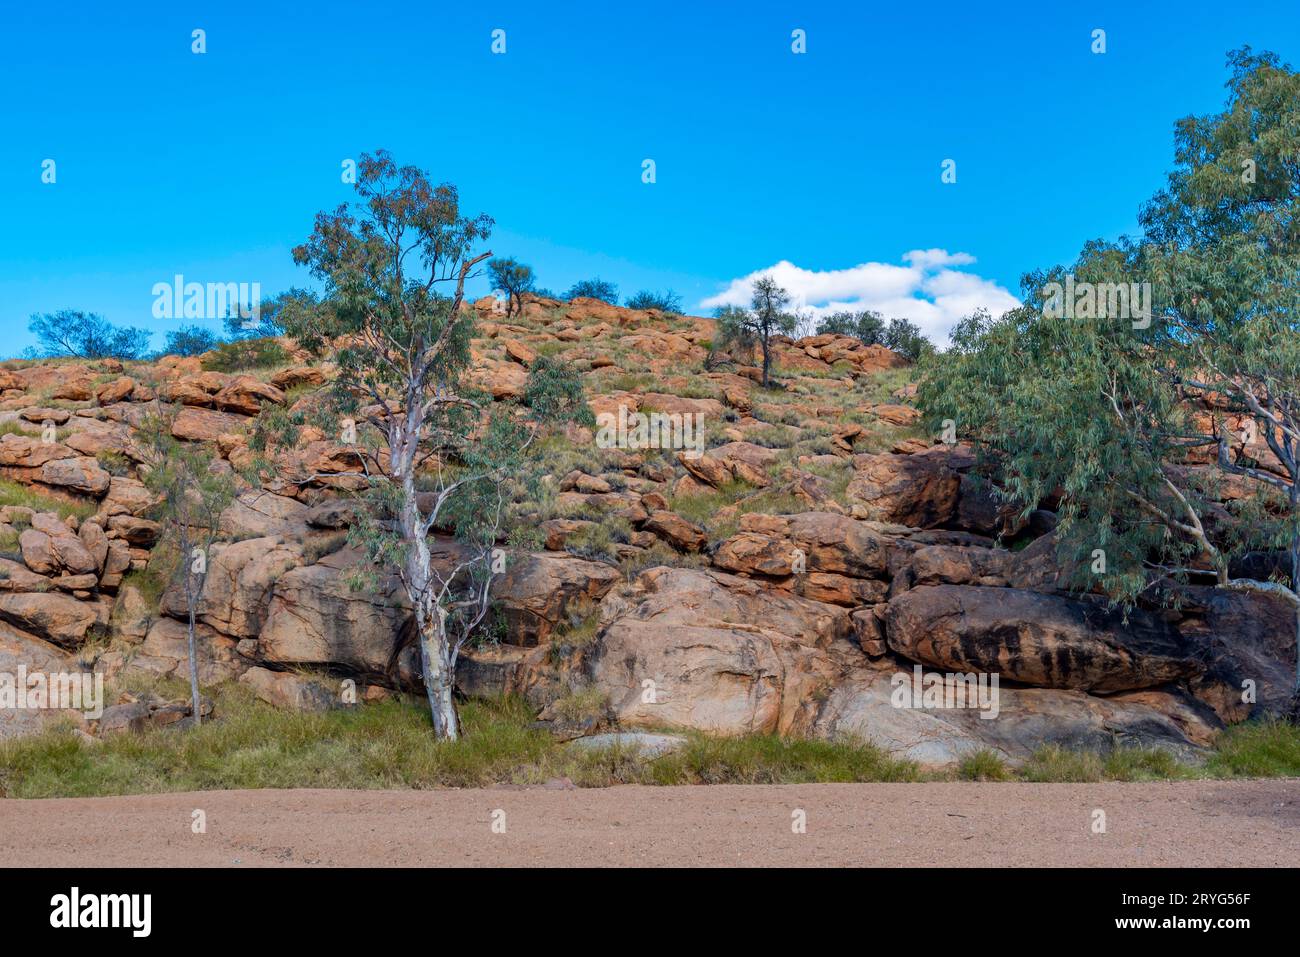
x,y
766,317
1222,250
1071,409
191,487
437,454
514,279
1135,418
84,335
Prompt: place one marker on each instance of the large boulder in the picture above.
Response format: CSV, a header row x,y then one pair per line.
x,y
1249,645
165,652
50,545
92,437
19,652
115,391
261,514
95,541
676,531
877,706
291,692
237,589
918,490
772,545
141,532
245,394
741,461
133,614
316,617
959,565
41,414
76,387
15,576
1037,639
126,496
537,589
839,589
698,649
204,425
297,375
38,552
55,617
28,452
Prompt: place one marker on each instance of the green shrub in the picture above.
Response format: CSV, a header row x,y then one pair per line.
x,y
114,462
244,354
668,301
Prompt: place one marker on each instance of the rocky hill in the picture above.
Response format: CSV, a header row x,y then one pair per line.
x,y
792,578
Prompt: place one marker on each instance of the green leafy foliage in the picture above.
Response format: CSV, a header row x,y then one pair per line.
x,y
667,301
866,326
241,355
191,488
513,278
904,337
190,341
1131,398
594,289
439,454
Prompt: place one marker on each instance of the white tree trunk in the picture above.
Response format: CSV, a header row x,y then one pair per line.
x,y
190,601
435,646
439,679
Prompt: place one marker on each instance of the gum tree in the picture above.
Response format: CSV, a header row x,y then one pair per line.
x,y
85,335
192,487
594,289
1138,423
1223,254
766,317
514,279
904,337
1073,410
437,455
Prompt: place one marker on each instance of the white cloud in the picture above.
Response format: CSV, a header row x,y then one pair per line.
x,y
932,290
935,258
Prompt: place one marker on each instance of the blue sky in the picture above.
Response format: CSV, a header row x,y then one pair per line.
x,y
213,165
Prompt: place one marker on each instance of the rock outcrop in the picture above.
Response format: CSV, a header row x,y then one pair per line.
x,y
818,567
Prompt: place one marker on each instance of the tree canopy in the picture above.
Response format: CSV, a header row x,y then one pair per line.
x,y
513,278
85,335
1158,397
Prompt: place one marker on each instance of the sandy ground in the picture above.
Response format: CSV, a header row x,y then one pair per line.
x,y
941,824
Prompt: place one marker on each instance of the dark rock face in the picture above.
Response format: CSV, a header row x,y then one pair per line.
x,y
1037,639
1247,641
